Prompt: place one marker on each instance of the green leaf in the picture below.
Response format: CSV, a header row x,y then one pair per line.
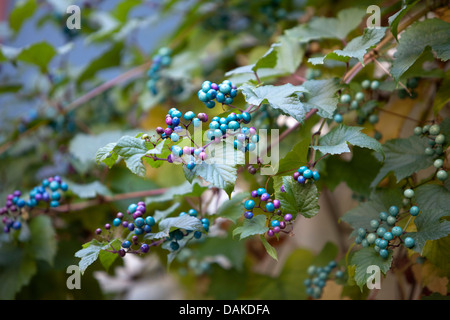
x,y
122,9
132,150
89,254
328,28
356,48
434,203
297,156
298,198
268,60
88,190
22,11
290,54
186,189
106,155
108,59
39,54
43,244
220,168
321,95
185,222
336,141
403,157
270,250
434,33
284,98
107,258
357,173
251,227
395,19
365,258
161,214
233,208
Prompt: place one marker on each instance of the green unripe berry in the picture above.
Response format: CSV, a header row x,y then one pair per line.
x,y
374,224
438,163
418,131
371,237
354,105
440,139
429,151
361,232
391,220
365,84
442,175
408,193
345,98
397,231
373,118
359,96
435,129
375,85
425,128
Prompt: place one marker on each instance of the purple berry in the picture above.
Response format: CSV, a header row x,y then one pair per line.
x,y
265,196
282,224
276,229
17,193
276,203
254,194
98,231
144,248
248,214
214,86
169,121
119,215
270,233
159,130
121,253
140,209
296,175
107,226
168,131
287,217
282,189
170,158
125,224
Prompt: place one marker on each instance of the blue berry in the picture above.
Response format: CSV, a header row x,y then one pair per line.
x,y
126,244
301,179
54,203
270,207
149,220
393,211
381,231
397,231
138,231
249,204
409,242
315,175
383,216
144,248
174,246
384,253
132,208
197,234
307,173
261,191
116,222
248,214
414,210
192,212
139,222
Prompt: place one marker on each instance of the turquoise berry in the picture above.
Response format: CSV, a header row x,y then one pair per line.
x,y
383,216
202,96
196,122
138,231
362,232
189,116
270,207
192,212
132,208
116,222
315,175
206,86
190,165
139,222
249,204
409,242
64,186
246,117
414,210
393,211
438,163
126,244
149,220
210,104
197,234
338,118
275,223
255,138
54,203
374,224
224,88
251,146
261,191
388,236
435,129
301,169
381,231
54,185
174,246
174,137
418,131
384,253
307,173
383,244
354,105
397,231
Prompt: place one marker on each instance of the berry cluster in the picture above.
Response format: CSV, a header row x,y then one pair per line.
x,y
160,61
48,192
175,125
436,142
411,84
303,174
142,224
365,112
318,277
222,93
278,221
378,235
179,234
